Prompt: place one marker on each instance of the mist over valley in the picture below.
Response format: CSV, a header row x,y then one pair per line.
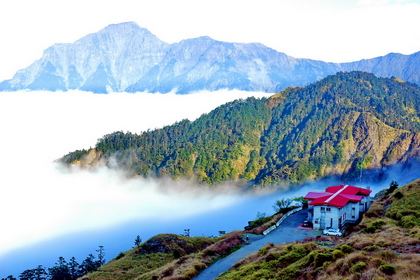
x,y
146,130
45,201
351,126
71,211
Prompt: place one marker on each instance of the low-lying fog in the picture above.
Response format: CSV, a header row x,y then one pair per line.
x,y
47,212
40,201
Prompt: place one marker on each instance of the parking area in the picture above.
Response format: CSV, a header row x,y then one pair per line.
x,y
290,230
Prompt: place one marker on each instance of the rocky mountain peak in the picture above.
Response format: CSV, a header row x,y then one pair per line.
x,y
133,59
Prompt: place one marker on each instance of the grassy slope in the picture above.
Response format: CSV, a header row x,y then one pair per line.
x,y
170,256
386,245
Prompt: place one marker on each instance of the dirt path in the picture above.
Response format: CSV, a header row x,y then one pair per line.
x,y
287,232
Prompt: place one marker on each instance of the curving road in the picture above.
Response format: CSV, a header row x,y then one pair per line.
x,y
288,231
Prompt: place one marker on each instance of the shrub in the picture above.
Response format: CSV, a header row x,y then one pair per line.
x,y
120,256
378,224
263,250
398,195
310,246
227,245
320,258
200,266
372,248
347,248
387,255
387,269
392,187
375,226
408,221
168,272
376,262
337,254
358,267
189,273
293,254
259,222
357,256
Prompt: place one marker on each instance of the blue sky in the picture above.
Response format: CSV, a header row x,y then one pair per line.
x,y
325,30
329,30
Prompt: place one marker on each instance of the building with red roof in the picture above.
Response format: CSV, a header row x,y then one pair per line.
x,y
337,206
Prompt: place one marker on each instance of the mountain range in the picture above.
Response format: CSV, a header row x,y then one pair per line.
x,y
350,125
127,57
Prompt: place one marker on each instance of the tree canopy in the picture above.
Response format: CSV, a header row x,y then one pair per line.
x,y
297,134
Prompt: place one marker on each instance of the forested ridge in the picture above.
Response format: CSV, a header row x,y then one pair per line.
x,y
337,126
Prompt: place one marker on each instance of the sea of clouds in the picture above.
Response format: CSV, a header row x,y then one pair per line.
x,y
44,203
41,200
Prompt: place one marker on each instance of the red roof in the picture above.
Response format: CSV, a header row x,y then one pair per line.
x,y
314,195
349,190
337,196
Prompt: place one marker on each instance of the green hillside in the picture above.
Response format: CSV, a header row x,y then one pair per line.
x,y
385,245
339,126
168,256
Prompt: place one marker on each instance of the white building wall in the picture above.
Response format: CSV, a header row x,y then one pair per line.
x,y
326,216
364,204
335,217
315,217
351,212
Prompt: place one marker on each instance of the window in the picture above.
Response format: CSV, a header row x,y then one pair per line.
x,y
322,209
328,209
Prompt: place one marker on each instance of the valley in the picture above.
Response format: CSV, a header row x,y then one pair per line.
x,y
382,246
296,124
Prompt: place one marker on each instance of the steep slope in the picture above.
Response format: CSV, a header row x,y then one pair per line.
x,y
342,125
126,57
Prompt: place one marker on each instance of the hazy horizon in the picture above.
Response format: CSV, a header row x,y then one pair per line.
x,y
327,30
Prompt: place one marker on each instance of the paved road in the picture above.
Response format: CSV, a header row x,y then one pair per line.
x,y
287,232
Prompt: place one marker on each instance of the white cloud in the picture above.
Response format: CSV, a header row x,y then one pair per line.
x,y
41,201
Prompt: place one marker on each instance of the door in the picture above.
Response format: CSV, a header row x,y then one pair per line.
x,y
322,218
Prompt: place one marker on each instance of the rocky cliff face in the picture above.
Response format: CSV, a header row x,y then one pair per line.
x,y
126,57
91,161
373,145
